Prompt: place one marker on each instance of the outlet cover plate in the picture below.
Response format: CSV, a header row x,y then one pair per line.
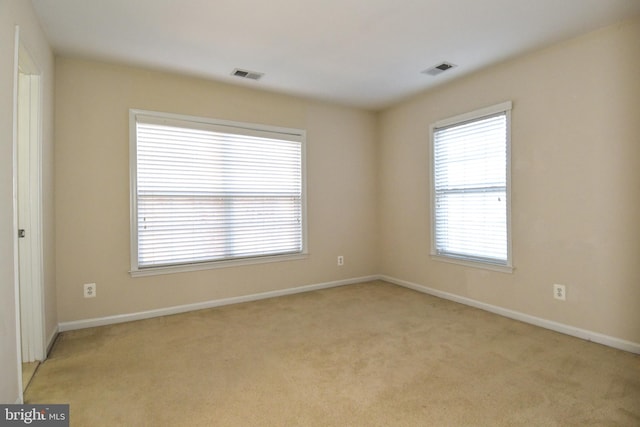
x,y
89,290
560,292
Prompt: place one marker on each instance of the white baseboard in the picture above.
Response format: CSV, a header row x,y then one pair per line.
x,y
52,339
121,318
533,320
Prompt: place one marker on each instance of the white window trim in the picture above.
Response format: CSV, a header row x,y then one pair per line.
x,y
504,107
246,128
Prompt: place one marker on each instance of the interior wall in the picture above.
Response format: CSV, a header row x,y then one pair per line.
x,y
12,13
92,188
575,183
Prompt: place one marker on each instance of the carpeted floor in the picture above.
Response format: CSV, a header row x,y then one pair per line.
x,y
371,354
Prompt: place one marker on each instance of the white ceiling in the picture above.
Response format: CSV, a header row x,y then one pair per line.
x,y
366,53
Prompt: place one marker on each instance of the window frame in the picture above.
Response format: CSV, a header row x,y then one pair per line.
x,y
501,108
243,128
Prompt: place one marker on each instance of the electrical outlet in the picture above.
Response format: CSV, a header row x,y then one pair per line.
x,y
89,290
340,260
560,292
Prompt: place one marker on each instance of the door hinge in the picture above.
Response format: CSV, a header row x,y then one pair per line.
x,y
21,233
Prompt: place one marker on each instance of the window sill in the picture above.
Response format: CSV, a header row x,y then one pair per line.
x,y
154,271
473,264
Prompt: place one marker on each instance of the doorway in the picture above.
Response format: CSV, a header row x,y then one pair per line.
x,y
28,210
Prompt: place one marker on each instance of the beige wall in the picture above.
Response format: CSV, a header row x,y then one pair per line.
x,y
12,13
575,183
92,193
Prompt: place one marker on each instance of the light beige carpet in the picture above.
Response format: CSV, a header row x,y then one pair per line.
x,y
372,354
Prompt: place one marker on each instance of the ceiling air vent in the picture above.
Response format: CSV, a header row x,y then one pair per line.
x,y
434,71
247,74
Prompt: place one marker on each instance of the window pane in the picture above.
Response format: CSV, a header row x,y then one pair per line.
x,y
474,157
472,224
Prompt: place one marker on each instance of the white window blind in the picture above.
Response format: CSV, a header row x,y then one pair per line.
x,y
205,191
471,189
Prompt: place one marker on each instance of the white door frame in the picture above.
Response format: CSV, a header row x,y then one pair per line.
x,y
27,179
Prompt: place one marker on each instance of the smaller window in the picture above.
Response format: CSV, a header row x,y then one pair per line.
x,y
471,188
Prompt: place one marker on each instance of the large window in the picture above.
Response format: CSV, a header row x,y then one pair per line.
x,y
206,193
470,194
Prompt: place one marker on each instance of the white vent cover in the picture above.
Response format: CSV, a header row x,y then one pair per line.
x,y
441,68
247,74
